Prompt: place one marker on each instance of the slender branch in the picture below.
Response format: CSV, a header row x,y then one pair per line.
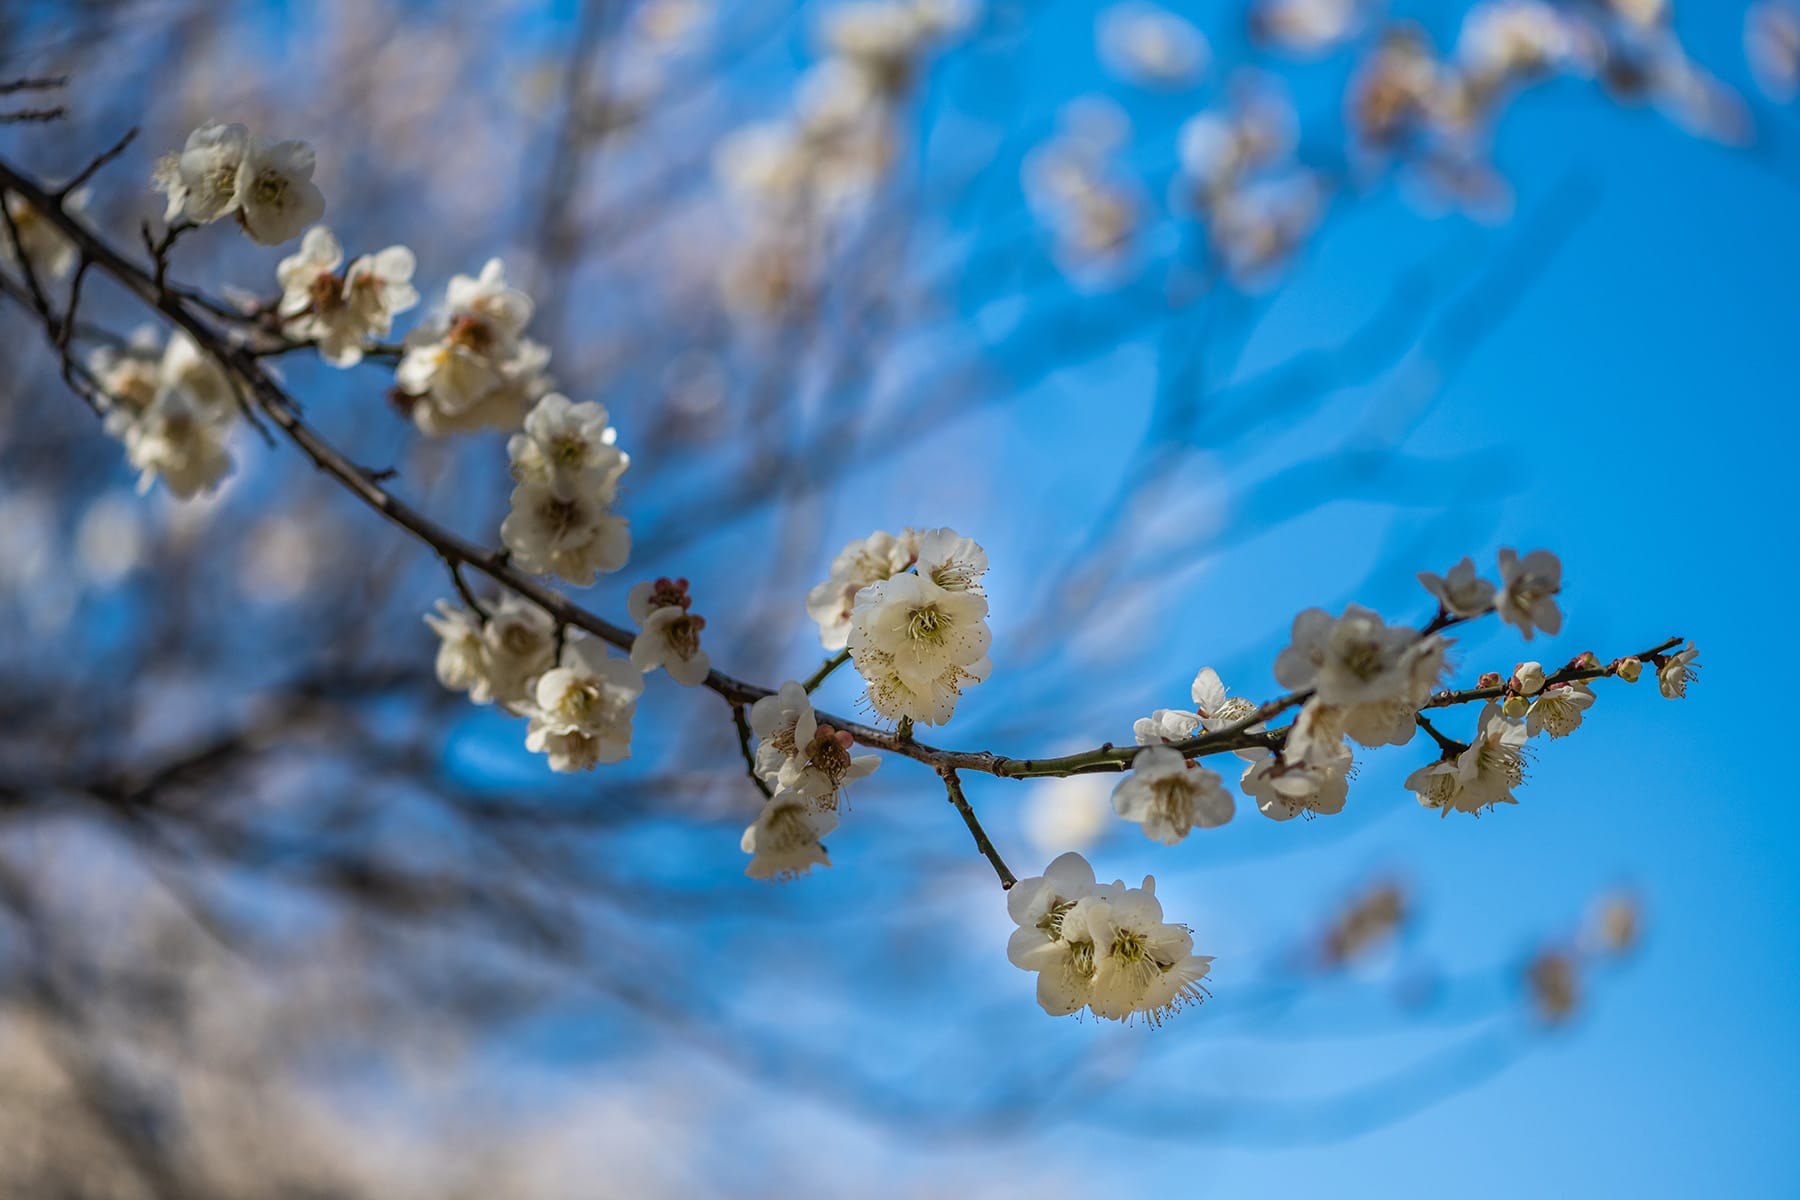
x,y
49,83
456,551
825,669
1450,746
100,160
953,791
743,732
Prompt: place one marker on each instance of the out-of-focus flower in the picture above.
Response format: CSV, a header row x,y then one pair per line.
x,y
1258,228
1528,590
1618,923
51,254
1093,211
1460,590
1219,149
468,365
1554,982
1150,46
1308,28
783,842
1772,47
1365,922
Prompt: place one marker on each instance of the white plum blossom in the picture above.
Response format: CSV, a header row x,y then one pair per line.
x,y
670,634
1503,39
343,312
1105,948
570,444
1165,725
796,753
1378,675
1284,788
1460,591
182,443
1219,149
48,250
1151,46
572,534
201,180
953,562
860,563
1258,227
1170,798
467,365
1480,776
497,660
276,196
1677,671
174,413
582,708
1558,709
916,644
783,842
1528,588
1528,678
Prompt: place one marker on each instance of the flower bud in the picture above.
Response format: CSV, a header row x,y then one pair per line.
x,y
1529,678
1516,706
1488,679
1587,660
1629,669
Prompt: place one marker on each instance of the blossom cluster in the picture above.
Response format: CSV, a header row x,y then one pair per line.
x,y
468,365
224,172
1100,947
805,765
566,466
341,312
173,408
1365,682
1430,115
796,177
918,637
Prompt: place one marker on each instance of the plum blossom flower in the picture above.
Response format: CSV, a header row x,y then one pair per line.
x,y
915,643
201,180
953,562
468,364
795,752
1283,788
571,535
276,197
860,563
497,660
1461,592
783,842
670,634
570,445
174,418
1101,947
1558,709
181,443
1378,674
582,708
1258,227
1218,149
1528,588
1170,798
1165,725
1528,678
342,312
1482,774
1677,671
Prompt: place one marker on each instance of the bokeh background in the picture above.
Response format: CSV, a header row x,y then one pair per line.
x,y
285,918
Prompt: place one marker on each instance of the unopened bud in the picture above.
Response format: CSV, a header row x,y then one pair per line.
x,y
1516,706
1488,680
1587,660
1529,678
1629,669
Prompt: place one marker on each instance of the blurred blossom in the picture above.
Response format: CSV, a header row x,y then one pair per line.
x,y
1256,229
1504,41
1399,88
109,542
281,559
1067,814
28,539
1618,923
1553,980
1151,47
1074,183
50,254
1772,46
1308,28
1366,921
1217,149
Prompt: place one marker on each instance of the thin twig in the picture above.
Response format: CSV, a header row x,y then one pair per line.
x,y
825,669
743,732
953,791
